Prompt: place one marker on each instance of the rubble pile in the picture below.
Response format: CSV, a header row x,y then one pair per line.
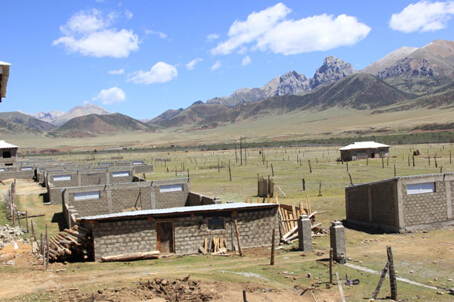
x,y
9,235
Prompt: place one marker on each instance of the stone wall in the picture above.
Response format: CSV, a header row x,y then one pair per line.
x,y
139,235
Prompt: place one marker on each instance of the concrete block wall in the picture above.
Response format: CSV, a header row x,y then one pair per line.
x,y
125,199
89,178
427,208
134,235
195,199
16,174
9,160
170,199
384,203
393,209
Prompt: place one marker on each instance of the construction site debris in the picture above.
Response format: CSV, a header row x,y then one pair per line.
x,y
9,235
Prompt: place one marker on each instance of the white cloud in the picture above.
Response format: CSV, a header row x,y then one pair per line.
x,y
128,14
422,16
216,66
257,24
119,71
269,30
158,33
191,65
160,73
317,33
246,61
212,37
90,34
110,96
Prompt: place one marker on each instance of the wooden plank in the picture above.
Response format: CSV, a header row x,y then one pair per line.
x,y
380,282
238,237
131,257
294,212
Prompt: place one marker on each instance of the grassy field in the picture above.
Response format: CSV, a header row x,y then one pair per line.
x,y
421,257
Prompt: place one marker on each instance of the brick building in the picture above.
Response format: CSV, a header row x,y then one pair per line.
x,y
182,230
402,203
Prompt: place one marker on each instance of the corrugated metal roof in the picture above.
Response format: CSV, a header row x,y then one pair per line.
x,y
5,71
5,145
182,210
364,145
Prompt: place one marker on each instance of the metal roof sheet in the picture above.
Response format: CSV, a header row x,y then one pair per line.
x,y
364,145
182,210
5,145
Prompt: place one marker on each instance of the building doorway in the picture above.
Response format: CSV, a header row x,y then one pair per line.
x,y
164,240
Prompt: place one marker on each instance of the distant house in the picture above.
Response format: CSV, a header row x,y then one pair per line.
x,y
4,75
8,154
363,150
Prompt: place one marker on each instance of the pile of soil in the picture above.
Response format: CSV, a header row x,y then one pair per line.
x,y
156,290
178,290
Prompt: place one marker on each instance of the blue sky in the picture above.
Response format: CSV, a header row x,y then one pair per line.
x,y
141,58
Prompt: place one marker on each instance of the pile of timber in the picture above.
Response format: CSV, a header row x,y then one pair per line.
x,y
73,244
288,216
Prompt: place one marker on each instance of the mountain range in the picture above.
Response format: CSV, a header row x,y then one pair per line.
x,y
404,79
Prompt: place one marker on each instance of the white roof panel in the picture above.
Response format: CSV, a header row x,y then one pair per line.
x,y
364,145
5,145
182,210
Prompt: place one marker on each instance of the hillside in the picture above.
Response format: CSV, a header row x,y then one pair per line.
x,y
80,111
26,120
94,125
358,91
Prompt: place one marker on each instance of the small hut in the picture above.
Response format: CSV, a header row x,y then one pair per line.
x,y
363,150
8,154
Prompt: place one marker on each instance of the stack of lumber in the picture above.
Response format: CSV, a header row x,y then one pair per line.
x,y
289,215
71,244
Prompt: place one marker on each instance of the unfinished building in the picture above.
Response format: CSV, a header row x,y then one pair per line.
x,y
56,180
182,230
8,154
402,203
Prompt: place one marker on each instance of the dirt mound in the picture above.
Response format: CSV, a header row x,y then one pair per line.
x,y
158,289
178,290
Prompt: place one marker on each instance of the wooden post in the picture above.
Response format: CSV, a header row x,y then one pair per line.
x,y
320,189
26,220
441,169
367,161
382,163
413,157
175,171
450,161
304,185
310,168
272,248
409,160
230,173
240,250
218,166
380,282
387,161
272,170
188,172
394,170
347,166
392,274
435,159
33,230
428,158
244,296
47,249
331,265
268,186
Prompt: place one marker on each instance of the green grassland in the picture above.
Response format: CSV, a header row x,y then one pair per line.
x,y
421,257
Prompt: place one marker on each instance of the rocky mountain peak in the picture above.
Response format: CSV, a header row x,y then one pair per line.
x,y
333,69
291,82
